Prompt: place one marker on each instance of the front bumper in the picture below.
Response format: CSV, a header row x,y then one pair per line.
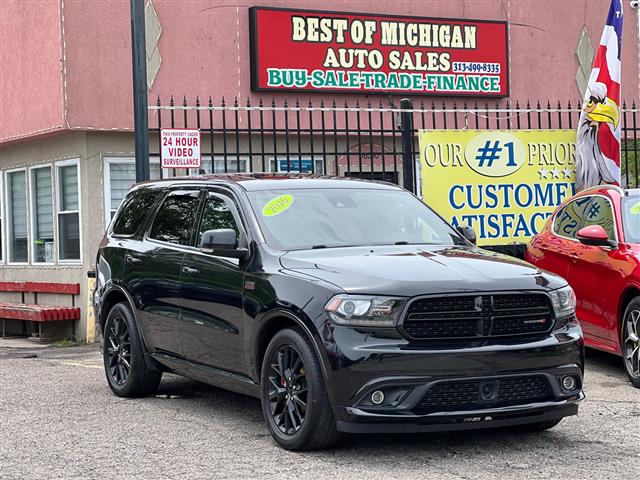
x,y
362,363
470,420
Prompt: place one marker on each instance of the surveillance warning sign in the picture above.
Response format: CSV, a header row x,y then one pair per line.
x,y
337,52
180,147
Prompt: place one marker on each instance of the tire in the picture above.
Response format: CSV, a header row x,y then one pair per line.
x,y
630,341
536,427
124,363
291,379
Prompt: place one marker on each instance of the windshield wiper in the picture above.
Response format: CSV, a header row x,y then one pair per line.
x,y
315,247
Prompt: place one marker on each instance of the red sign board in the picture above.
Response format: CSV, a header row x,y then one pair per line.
x,y
180,147
308,50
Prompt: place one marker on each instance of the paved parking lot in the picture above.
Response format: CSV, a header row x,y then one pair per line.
x,y
60,420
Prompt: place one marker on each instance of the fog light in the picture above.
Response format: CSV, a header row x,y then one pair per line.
x,y
569,382
377,397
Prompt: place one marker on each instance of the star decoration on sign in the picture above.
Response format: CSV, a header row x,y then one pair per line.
x,y
567,173
556,173
544,172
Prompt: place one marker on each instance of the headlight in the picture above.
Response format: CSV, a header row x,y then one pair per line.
x,y
364,311
564,301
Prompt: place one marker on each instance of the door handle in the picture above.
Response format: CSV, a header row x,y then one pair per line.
x,y
189,270
133,260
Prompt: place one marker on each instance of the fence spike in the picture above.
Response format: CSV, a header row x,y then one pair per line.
x,y
248,102
297,103
158,101
321,103
517,105
260,103
171,101
310,105
285,103
223,104
210,102
184,101
273,103
235,101
369,103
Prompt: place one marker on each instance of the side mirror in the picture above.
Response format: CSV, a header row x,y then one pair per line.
x,y
595,235
467,232
222,242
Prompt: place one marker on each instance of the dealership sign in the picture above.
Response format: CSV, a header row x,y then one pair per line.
x,y
503,183
307,50
180,147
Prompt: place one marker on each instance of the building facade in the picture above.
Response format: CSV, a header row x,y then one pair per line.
x,y
66,141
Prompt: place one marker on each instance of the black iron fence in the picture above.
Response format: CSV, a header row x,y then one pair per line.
x,y
369,140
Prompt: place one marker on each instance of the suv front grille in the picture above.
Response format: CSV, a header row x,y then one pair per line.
x,y
478,316
451,396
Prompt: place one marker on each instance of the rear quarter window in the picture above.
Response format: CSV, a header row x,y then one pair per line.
x,y
135,209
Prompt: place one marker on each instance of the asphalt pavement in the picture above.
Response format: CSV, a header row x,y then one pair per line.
x,y
58,419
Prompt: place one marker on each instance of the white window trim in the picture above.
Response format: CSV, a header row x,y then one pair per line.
x,y
6,192
231,158
294,161
32,205
3,217
108,161
58,199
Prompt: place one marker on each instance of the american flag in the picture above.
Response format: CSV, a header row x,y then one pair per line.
x,y
598,141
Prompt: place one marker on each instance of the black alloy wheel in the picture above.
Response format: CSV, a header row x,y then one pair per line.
x,y
295,403
127,372
631,341
288,391
118,348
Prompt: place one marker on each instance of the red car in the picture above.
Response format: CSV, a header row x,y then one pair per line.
x,y
593,240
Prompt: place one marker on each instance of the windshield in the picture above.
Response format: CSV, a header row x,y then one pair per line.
x,y
631,218
323,218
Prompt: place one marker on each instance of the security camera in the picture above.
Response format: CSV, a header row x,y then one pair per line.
x,y
635,4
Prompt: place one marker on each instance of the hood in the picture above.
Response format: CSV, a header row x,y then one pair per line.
x,y
408,270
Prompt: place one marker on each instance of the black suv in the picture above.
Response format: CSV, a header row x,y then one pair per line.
x,y
344,305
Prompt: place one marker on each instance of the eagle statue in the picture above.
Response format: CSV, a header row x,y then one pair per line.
x,y
598,111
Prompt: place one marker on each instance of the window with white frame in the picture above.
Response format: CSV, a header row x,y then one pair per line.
x,y
119,177
235,164
1,217
17,223
67,180
42,215
296,165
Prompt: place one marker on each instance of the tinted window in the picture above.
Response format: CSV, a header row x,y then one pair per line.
x,y
217,214
134,211
174,222
584,212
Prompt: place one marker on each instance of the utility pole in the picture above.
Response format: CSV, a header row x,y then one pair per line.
x,y
140,107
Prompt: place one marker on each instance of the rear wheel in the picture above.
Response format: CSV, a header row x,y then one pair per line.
x,y
124,364
295,404
631,341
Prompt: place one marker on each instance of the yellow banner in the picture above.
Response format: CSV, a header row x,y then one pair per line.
x,y
503,183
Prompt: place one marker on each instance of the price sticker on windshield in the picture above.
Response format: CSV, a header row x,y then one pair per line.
x,y
635,209
277,205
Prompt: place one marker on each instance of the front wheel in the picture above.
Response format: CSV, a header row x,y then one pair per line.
x,y
124,364
295,404
631,341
